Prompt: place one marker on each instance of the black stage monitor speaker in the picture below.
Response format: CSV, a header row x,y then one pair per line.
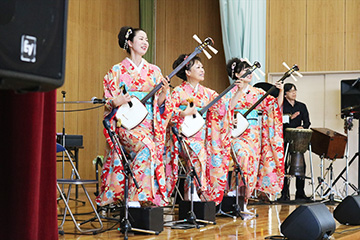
x,y
350,97
309,221
32,44
348,211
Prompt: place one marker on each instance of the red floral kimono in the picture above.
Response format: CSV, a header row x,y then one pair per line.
x,y
261,157
144,143
209,148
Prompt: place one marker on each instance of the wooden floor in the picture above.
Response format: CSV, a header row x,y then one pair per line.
x,y
266,224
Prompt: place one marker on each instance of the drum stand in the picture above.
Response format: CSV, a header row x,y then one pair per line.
x,y
311,167
347,126
329,186
191,217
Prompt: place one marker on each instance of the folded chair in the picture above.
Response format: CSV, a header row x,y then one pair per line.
x,y
75,180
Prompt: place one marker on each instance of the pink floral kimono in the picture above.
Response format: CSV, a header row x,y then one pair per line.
x,y
261,157
144,143
209,148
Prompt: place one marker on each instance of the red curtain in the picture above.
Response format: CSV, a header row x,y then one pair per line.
x,y
28,171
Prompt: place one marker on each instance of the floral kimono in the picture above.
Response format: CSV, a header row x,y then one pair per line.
x,y
261,157
209,148
144,143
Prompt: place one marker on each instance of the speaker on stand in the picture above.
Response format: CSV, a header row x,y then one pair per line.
x,y
32,44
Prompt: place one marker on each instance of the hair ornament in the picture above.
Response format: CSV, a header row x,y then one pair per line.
x,y
127,35
187,64
233,65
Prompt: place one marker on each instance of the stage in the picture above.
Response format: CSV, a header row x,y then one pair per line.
x,y
268,222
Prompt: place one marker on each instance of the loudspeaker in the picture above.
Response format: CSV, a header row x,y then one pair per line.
x,y
203,210
146,218
348,211
227,204
310,221
32,44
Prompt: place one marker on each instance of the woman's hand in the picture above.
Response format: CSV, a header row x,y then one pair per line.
x,y
240,84
280,98
279,85
239,93
188,111
121,99
166,86
164,90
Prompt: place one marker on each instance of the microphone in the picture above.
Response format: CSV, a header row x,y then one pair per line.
x,y
96,100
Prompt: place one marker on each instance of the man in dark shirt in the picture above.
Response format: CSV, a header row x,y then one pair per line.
x,y
298,117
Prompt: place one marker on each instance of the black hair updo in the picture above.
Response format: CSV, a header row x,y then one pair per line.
x,y
127,33
235,65
181,74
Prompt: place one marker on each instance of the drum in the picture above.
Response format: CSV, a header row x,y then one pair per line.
x,y
298,140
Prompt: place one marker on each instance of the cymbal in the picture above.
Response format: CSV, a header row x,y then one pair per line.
x,y
351,108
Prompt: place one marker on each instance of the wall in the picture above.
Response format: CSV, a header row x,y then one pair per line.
x,y
176,23
92,48
321,35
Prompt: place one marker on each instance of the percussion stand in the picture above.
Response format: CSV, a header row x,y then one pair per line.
x,y
348,126
322,182
191,218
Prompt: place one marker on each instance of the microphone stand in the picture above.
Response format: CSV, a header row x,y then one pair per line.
x,y
239,210
125,225
191,217
63,141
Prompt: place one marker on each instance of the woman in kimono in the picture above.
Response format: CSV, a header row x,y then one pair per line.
x,y
209,147
259,150
144,143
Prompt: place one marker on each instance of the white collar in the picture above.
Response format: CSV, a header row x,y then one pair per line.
x,y
246,89
137,68
196,88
